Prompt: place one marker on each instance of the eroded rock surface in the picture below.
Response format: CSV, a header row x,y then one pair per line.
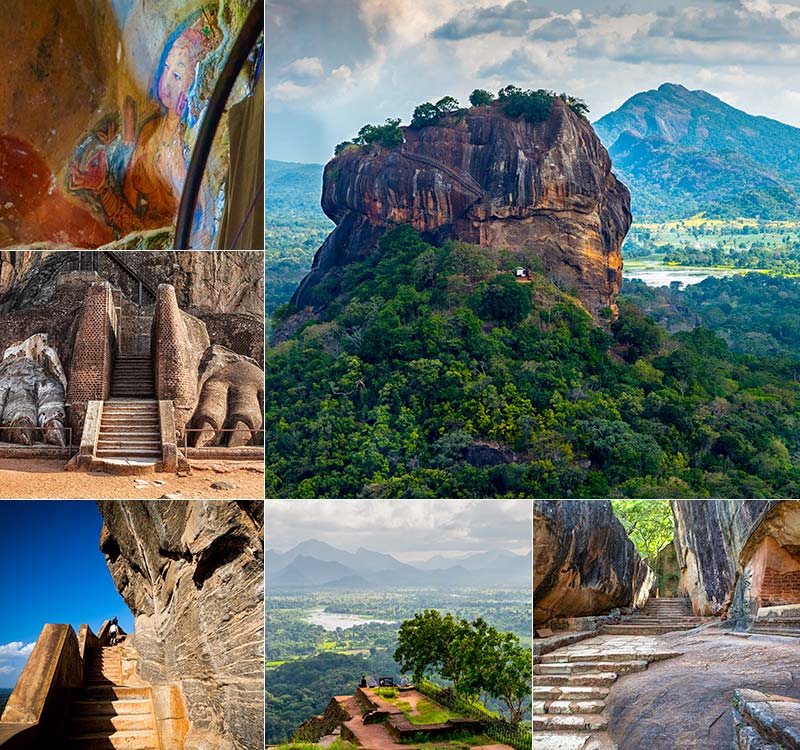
x,y
583,561
32,394
685,702
489,180
709,537
192,575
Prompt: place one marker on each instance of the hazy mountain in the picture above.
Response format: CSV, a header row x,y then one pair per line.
x,y
681,152
317,564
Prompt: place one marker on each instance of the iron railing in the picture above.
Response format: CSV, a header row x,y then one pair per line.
x,y
227,430
516,735
69,448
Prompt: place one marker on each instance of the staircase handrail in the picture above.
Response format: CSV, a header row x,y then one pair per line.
x,y
116,258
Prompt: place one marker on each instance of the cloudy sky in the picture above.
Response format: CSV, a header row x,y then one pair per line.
x,y
336,65
414,529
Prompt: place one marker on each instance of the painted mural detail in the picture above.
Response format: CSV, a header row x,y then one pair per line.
x,y
132,167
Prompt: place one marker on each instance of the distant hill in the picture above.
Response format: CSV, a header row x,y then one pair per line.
x,y
317,564
682,152
5,694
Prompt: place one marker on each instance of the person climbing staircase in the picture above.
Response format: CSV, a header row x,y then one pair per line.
x,y
106,713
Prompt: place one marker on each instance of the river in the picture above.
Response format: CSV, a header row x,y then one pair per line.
x,y
333,620
654,273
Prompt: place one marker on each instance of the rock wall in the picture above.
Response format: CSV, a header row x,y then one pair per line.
x,y
583,561
710,536
100,106
490,180
192,575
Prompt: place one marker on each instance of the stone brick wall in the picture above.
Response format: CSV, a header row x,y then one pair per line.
x,y
178,341
780,588
93,353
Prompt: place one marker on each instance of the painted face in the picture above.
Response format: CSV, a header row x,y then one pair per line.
x,y
177,77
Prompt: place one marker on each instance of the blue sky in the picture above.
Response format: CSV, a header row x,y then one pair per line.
x,y
333,66
51,570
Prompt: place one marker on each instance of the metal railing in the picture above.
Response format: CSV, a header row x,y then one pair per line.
x,y
516,735
226,430
251,30
69,448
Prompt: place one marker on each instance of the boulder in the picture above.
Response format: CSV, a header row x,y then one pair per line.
x,y
583,561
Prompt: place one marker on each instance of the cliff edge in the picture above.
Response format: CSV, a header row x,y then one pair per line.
x,y
488,179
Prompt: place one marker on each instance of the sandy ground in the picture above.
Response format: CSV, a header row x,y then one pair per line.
x,y
46,479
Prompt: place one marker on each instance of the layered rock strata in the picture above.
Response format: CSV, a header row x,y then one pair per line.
x,y
545,189
192,575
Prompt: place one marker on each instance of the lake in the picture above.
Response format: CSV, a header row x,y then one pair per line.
x,y
654,273
333,620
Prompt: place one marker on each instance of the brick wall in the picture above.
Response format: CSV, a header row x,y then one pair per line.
x,y
93,353
780,588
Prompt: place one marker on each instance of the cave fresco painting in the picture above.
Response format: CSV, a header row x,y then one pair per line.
x,y
133,165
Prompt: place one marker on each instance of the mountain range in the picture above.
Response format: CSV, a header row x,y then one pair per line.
x,y
682,152
315,564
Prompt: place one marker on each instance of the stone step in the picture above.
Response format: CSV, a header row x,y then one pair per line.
x,y
567,707
569,692
128,453
134,740
142,722
617,656
645,629
119,707
785,632
577,667
113,692
140,434
569,722
590,679
107,444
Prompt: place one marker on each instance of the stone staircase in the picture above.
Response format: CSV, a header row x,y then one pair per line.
x,y
107,714
778,621
659,616
130,431
571,685
133,377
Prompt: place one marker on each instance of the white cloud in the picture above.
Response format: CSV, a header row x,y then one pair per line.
x,y
16,649
306,67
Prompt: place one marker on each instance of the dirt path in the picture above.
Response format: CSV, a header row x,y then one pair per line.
x,y
46,479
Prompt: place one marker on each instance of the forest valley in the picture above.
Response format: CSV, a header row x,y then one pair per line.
x,y
437,635
432,372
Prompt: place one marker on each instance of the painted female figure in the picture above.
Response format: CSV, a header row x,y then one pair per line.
x,y
137,179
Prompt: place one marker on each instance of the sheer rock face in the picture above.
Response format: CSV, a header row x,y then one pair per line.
x,y
489,180
718,543
710,536
192,575
583,561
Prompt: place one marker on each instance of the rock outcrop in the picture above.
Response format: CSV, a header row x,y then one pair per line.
x,y
583,561
710,536
546,189
192,575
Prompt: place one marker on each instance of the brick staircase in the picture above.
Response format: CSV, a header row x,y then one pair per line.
x,y
106,714
571,685
658,616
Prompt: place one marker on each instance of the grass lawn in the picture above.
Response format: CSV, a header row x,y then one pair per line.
x,y
427,712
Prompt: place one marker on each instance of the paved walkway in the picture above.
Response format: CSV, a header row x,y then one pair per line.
x,y
571,684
